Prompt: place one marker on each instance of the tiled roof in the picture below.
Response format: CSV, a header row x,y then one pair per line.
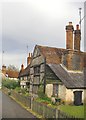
x,y
53,55
12,74
25,72
70,79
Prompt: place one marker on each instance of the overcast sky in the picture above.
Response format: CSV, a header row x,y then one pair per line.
x,y
31,22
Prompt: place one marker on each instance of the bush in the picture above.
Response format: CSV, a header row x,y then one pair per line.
x,y
24,90
10,84
18,89
42,96
41,92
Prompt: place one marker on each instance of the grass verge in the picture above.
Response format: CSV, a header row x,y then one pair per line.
x,y
77,111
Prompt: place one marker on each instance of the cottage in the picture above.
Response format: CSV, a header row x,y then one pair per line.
x,y
24,74
12,74
57,71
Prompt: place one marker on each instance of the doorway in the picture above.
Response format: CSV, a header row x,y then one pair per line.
x,y
77,97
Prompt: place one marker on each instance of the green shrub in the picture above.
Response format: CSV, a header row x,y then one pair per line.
x,y
18,89
41,92
10,84
42,96
23,91
27,94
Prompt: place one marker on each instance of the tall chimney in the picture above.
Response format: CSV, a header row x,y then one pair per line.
x,y
22,67
4,69
69,36
77,38
29,58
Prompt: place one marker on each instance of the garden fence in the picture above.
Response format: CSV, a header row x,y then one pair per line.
x,y
40,108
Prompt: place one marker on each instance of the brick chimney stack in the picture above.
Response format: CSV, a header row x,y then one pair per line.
x,y
29,58
77,38
22,67
69,36
4,69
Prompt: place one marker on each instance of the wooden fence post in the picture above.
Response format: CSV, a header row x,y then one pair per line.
x,y
43,111
31,102
57,113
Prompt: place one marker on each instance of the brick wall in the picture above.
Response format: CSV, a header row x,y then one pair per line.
x,y
73,60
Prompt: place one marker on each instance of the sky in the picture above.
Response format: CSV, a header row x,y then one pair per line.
x,y
85,26
31,22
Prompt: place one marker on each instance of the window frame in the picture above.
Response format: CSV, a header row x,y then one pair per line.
x,y
37,70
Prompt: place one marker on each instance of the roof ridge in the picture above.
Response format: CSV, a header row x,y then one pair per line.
x,y
50,47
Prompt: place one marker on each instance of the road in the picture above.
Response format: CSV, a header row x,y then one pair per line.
x,y
11,109
0,104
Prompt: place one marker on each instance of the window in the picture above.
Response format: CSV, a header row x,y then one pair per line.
x,y
37,70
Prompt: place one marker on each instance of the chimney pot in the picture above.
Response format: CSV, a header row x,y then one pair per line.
x,y
4,69
29,54
77,38
77,27
29,58
22,67
70,23
69,36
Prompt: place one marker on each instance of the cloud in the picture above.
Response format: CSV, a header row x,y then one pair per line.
x,y
13,59
31,22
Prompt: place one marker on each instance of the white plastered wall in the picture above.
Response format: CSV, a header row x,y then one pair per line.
x,y
67,95
49,90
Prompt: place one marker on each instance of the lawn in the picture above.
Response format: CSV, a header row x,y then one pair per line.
x,y
77,111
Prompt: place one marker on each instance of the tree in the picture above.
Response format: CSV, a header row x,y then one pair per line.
x,y
13,68
10,84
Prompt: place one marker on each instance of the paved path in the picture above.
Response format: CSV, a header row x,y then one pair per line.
x,y
11,109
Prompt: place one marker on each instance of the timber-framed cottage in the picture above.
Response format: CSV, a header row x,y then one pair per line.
x,y
59,72
24,74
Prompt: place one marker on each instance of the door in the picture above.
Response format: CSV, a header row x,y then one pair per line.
x,y
77,97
